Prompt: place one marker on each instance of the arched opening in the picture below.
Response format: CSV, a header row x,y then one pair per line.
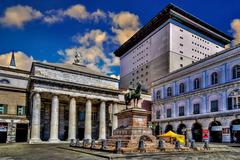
x,y
169,91
3,132
214,78
197,132
235,130
169,127
181,88
181,129
196,83
215,129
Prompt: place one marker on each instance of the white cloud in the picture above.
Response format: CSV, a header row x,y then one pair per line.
x,y
93,37
53,16
97,15
91,49
236,29
17,16
22,60
125,24
78,12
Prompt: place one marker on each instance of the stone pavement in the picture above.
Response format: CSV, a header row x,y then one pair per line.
x,y
40,152
63,151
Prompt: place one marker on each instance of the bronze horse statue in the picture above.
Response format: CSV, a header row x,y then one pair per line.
x,y
134,95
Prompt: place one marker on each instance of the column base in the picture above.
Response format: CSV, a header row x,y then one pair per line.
x,y
35,140
69,139
54,140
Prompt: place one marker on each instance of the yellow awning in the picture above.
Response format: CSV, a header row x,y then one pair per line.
x,y
179,137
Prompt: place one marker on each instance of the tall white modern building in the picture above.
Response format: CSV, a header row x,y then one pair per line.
x,y
171,40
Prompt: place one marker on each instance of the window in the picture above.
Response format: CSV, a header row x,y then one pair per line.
x,y
158,95
169,113
94,116
214,78
181,37
236,71
181,111
181,65
181,88
20,110
158,115
181,44
3,108
169,91
181,58
196,83
196,108
214,106
81,116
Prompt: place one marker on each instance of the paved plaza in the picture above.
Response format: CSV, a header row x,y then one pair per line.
x,y
39,152
62,151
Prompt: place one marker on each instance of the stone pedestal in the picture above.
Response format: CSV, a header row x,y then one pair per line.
x,y
132,127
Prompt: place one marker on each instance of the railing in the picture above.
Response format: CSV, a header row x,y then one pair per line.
x,y
236,106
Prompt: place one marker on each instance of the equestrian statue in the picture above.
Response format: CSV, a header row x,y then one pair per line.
x,y
133,94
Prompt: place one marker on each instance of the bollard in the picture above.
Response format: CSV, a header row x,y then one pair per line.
x,y
193,145
177,145
93,144
72,144
141,146
161,145
85,142
77,143
206,145
104,145
118,147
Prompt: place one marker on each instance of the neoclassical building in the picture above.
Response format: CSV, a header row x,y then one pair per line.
x,y
201,100
14,121
69,101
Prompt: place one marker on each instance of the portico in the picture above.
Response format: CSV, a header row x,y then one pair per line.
x,y
64,108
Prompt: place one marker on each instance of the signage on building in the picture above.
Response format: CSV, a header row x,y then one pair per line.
x,y
216,128
205,133
3,128
236,127
226,134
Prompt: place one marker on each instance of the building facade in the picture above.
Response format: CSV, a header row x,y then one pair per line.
x,y
171,40
14,121
70,101
201,100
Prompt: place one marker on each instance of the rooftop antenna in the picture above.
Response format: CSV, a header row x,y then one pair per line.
x,y
13,62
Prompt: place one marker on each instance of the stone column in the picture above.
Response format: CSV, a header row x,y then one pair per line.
x,y
72,119
36,115
188,105
174,110
204,107
224,105
102,121
54,120
88,120
114,117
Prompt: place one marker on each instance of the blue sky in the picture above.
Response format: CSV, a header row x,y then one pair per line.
x,y
53,30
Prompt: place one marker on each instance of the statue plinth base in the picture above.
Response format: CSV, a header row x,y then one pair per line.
x,y
132,127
